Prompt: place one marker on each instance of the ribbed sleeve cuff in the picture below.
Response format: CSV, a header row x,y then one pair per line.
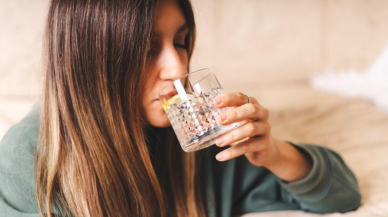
x,y
317,182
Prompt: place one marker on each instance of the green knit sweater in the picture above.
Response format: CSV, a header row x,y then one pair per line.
x,y
234,187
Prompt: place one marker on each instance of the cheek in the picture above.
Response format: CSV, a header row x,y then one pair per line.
x,y
184,58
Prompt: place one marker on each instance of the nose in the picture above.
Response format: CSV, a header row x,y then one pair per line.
x,y
171,65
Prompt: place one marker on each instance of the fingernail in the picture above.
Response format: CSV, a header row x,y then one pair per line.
x,y
218,100
219,142
219,157
223,117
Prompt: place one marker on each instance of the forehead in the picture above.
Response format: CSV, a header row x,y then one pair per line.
x,y
169,17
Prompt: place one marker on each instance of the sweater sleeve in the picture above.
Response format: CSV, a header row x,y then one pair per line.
x,y
237,187
329,187
17,182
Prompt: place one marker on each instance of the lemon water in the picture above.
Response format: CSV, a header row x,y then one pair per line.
x,y
194,119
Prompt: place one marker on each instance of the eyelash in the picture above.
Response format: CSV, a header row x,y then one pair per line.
x,y
183,46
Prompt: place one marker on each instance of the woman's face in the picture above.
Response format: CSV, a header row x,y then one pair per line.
x,y
169,60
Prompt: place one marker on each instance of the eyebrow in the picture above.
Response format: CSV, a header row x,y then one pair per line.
x,y
182,28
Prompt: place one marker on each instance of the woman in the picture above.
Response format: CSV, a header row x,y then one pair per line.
x,y
104,146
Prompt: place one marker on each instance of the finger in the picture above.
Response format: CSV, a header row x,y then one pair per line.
x,y
248,146
244,112
251,129
232,99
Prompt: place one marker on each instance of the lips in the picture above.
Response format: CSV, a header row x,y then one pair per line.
x,y
169,94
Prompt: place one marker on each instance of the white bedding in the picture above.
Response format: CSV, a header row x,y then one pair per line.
x,y
354,128
372,84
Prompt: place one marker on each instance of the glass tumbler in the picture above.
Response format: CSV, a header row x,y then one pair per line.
x,y
188,102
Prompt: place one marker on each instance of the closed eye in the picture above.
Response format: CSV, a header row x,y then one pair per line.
x,y
183,46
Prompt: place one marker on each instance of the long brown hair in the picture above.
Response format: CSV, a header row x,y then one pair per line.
x,y
93,157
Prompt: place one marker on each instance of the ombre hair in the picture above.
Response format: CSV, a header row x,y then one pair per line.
x,y
93,157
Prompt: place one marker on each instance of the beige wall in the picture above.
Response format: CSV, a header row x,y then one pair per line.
x,y
268,42
21,28
252,44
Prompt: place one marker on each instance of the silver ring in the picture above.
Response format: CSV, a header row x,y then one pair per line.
x,y
249,98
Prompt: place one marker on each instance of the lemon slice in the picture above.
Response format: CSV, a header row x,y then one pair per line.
x,y
175,99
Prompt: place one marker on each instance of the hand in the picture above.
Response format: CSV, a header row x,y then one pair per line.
x,y
251,139
254,139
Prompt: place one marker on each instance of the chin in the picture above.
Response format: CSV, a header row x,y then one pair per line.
x,y
160,121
